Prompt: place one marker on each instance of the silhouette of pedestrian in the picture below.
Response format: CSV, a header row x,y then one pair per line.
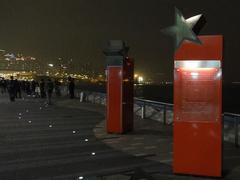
x,y
3,86
28,88
37,90
18,93
42,88
23,85
57,87
71,87
11,89
49,88
33,87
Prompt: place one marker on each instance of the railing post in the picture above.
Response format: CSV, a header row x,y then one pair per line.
x,y
99,99
143,111
164,114
93,98
86,97
236,131
81,96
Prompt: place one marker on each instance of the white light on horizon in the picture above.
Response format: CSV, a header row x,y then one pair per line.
x,y
140,79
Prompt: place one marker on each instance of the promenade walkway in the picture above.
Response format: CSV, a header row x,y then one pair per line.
x,y
67,141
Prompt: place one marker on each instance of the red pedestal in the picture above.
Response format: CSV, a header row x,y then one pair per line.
x,y
120,97
197,140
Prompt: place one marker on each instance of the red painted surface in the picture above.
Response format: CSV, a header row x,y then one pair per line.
x,y
197,139
120,97
211,48
197,148
198,94
114,99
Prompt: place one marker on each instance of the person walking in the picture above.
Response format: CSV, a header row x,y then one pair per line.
x,y
71,87
49,88
23,86
42,88
57,85
28,88
33,87
18,93
37,90
11,89
3,86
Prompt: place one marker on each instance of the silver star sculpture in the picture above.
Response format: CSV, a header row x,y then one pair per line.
x,y
185,29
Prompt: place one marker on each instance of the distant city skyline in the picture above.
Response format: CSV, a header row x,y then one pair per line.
x,y
78,30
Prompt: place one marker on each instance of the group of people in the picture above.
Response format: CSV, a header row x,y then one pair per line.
x,y
37,89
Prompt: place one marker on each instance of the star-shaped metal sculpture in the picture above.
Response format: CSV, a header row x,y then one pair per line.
x,y
185,29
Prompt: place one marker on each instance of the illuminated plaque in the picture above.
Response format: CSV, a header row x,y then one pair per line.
x,y
198,82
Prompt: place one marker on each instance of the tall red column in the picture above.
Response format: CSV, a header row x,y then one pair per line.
x,y
119,88
197,139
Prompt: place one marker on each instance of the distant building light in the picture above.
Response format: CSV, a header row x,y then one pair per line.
x,y
10,55
135,75
50,65
140,79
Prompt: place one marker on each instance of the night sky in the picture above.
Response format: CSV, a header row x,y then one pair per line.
x,y
79,29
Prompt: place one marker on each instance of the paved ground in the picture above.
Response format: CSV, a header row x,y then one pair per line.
x,y
67,141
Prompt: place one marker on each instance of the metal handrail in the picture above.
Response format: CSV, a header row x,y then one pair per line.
x,y
153,102
231,114
164,106
145,102
236,118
